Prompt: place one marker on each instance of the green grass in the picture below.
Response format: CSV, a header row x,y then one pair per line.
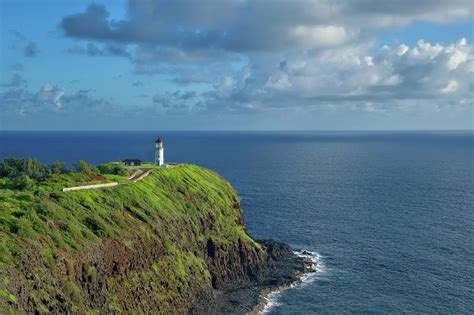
x,y
143,165
48,254
71,289
185,195
182,207
4,293
92,273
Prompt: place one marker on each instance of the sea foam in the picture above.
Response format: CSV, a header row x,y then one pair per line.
x,y
318,268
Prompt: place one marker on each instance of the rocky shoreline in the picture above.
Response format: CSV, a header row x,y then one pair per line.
x,y
310,268
286,269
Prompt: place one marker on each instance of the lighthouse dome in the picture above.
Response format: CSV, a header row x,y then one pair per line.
x,y
159,140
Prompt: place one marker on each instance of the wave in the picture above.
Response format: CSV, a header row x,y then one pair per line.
x,y
317,268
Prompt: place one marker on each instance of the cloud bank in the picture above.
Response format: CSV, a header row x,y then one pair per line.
x,y
269,58
258,25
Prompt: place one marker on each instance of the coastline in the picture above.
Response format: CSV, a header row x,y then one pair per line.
x,y
268,297
289,269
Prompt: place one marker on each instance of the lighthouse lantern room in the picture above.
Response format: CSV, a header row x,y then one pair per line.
x,y
159,152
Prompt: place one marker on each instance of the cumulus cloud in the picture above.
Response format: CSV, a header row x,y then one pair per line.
x,y
208,31
402,12
209,25
422,74
262,56
177,102
51,94
30,50
255,25
51,98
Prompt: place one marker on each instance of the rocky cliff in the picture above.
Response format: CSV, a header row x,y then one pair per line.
x,y
173,243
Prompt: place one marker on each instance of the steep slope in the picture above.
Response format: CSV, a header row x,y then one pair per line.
x,y
172,243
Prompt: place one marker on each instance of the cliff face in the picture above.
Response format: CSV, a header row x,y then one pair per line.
x,y
172,243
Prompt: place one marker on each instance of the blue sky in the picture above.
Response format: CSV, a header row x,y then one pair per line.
x,y
236,65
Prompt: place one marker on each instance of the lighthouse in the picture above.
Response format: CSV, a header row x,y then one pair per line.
x,y
159,152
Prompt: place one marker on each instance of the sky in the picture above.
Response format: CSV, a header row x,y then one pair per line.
x,y
236,65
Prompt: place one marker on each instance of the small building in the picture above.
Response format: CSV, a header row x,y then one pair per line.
x,y
132,162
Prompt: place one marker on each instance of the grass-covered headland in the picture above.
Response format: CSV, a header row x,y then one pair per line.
x,y
171,243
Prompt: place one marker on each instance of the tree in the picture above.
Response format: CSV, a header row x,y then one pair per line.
x,y
58,167
120,170
11,167
85,168
33,168
112,168
107,168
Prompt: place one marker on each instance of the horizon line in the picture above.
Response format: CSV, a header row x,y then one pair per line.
x,y
232,130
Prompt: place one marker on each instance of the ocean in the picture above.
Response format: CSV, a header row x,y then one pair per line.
x,y
389,214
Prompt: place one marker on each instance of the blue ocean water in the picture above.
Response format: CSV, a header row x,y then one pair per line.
x,y
391,213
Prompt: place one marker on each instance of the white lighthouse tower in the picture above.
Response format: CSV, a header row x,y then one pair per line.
x,y
159,152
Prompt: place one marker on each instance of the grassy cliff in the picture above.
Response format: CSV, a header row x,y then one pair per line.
x,y
171,243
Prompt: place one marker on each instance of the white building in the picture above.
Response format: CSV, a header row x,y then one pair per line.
x,y
159,152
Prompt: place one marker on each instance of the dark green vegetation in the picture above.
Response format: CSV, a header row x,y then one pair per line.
x,y
27,192
31,175
166,244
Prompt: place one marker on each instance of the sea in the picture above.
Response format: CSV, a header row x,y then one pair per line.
x,y
389,215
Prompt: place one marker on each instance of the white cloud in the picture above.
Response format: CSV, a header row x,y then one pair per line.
x,y
293,56
51,94
51,98
258,25
402,49
419,75
451,87
457,57
279,82
329,35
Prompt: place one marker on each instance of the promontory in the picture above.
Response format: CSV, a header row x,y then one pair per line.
x,y
173,242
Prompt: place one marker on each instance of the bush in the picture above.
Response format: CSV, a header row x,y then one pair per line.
x,y
71,289
97,226
33,168
120,170
58,167
107,168
92,273
112,168
11,167
86,169
21,182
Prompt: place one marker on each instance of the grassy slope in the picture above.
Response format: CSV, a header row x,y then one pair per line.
x,y
170,205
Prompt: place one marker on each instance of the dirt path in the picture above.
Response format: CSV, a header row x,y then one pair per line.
x,y
139,174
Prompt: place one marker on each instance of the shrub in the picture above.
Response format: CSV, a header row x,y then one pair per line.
x,y
97,226
120,170
107,168
92,273
112,168
11,167
48,254
71,289
58,167
85,168
33,168
20,182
